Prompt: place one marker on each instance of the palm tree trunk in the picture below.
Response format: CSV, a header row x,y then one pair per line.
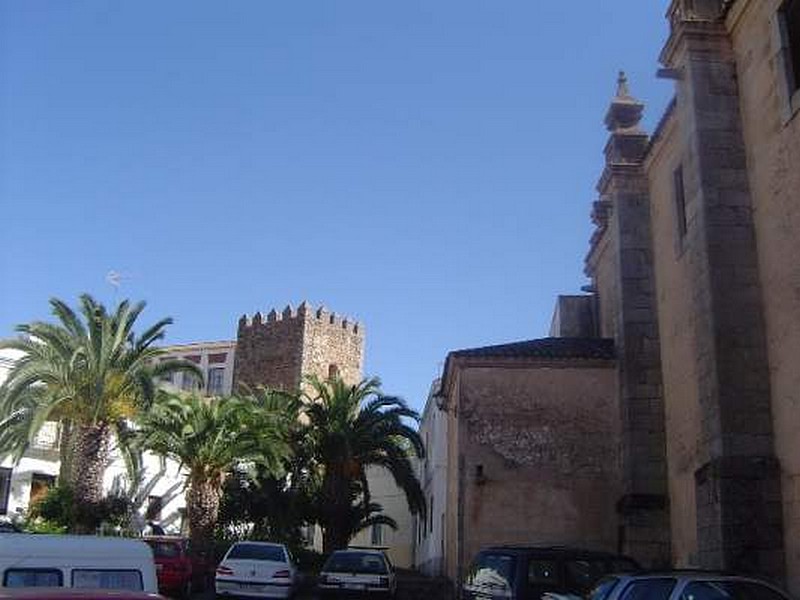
x,y
91,444
336,530
66,453
202,506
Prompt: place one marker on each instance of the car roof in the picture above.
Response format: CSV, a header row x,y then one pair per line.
x,y
60,593
249,543
45,546
356,549
555,550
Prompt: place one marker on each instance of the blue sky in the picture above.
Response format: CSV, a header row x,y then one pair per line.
x,y
424,166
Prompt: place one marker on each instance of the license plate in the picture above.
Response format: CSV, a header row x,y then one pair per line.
x,y
251,586
355,586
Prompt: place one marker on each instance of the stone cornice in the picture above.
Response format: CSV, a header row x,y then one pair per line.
x,y
705,36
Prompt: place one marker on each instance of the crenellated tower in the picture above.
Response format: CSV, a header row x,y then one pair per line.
x,y
279,350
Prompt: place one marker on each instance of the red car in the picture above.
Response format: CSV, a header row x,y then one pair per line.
x,y
173,565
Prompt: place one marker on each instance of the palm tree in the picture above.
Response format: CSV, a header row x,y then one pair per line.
x,y
353,428
210,438
91,372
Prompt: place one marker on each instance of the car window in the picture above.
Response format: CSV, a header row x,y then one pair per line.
x,y
356,562
494,571
648,589
603,588
165,549
108,579
257,552
33,578
729,590
542,572
581,575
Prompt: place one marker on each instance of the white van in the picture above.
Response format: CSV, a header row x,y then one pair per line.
x,y
76,561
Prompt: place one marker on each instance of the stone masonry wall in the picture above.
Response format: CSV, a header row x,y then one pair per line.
x,y
330,341
772,144
280,350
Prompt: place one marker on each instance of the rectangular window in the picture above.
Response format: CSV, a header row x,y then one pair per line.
x,y
5,489
15,578
680,202
40,484
216,378
430,512
154,506
377,535
790,17
108,579
189,382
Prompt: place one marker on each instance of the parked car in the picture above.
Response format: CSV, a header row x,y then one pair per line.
x,y
685,585
173,565
76,562
530,572
355,573
8,527
256,569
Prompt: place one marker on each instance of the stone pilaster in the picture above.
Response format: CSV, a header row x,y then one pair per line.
x,y
643,507
738,490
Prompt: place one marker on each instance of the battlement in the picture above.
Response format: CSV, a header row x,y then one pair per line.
x,y
304,312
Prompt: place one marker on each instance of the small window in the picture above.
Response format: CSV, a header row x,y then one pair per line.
x,y
542,572
189,382
216,378
154,507
790,17
5,489
333,372
14,578
648,589
680,202
107,579
377,535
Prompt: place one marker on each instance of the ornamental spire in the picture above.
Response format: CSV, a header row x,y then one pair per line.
x,y
625,112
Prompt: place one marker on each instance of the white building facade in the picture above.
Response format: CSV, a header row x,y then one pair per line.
x,y
159,497
432,473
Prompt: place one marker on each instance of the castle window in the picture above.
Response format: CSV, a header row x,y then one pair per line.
x,y
787,41
333,371
680,202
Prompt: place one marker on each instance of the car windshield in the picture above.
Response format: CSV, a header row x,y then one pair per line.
x,y
165,549
257,552
356,562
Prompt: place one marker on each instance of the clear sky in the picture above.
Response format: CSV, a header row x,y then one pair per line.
x,y
424,166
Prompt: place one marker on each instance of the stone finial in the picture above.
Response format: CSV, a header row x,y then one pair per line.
x,y
625,112
622,86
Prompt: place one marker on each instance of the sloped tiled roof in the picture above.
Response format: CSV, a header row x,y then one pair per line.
x,y
591,348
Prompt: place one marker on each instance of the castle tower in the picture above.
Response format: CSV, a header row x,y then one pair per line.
x,y
279,350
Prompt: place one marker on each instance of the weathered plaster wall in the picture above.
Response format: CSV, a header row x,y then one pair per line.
x,y
678,352
773,158
540,456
